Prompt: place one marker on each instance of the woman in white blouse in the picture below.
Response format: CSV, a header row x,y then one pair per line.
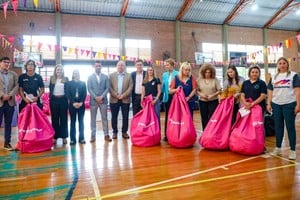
x,y
59,103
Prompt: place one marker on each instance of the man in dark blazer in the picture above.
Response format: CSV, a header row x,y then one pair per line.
x,y
8,90
137,79
120,88
98,86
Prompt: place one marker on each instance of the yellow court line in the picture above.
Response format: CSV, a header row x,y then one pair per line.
x,y
95,186
185,176
196,182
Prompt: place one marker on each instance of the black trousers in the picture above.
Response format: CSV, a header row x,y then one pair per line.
x,y
59,116
114,108
207,108
136,104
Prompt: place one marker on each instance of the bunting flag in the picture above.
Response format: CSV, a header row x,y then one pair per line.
x,y
36,3
5,5
39,47
288,43
15,5
298,38
24,3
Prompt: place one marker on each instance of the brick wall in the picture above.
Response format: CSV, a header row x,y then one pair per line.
x,y
161,33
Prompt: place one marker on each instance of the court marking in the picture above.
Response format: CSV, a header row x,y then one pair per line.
x,y
133,190
95,185
138,190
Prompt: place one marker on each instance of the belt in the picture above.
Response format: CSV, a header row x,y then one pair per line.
x,y
58,96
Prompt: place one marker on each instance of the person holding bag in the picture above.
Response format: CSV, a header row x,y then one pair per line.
x,y
185,80
232,87
208,90
31,86
152,85
167,78
284,102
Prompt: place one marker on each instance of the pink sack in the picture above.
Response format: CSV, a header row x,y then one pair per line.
x,y
181,131
87,101
35,131
247,136
216,134
144,129
46,103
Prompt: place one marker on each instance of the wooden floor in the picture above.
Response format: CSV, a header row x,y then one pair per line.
x,y
118,170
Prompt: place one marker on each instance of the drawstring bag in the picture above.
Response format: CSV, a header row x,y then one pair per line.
x,y
216,134
181,132
35,133
247,136
144,129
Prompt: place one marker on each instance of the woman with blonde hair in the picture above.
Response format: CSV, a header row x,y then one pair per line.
x,y
208,90
59,103
284,102
186,81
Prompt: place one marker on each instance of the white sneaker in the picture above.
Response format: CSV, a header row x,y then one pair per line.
x,y
276,151
292,155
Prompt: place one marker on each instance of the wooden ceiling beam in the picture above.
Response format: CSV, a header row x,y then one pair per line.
x,y
124,8
185,7
287,8
242,4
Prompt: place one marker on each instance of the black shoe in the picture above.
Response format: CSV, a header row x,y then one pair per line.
x,y
82,141
125,135
92,140
165,139
72,142
8,147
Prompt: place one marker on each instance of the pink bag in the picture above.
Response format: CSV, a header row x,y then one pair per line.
x,y
247,136
87,101
181,131
144,129
46,103
216,134
35,131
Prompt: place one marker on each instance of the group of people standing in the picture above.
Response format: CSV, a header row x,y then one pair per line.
x,y
282,94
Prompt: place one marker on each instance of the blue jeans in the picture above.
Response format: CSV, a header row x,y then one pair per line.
x,y
285,113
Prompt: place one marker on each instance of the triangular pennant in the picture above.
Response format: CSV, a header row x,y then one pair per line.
x,y
39,47
65,48
24,3
82,51
5,5
88,52
36,3
298,38
94,54
15,5
57,48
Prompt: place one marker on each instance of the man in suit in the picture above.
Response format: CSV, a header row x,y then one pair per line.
x,y
120,87
137,79
8,90
98,86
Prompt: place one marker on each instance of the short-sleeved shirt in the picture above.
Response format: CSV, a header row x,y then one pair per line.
x,y
254,90
151,87
31,84
283,87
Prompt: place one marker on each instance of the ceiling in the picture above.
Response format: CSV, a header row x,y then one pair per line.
x,y
273,14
